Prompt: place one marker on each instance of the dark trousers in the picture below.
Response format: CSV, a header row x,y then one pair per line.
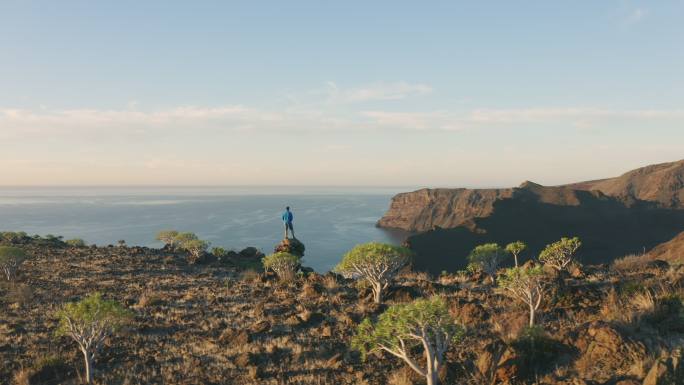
x,y
288,225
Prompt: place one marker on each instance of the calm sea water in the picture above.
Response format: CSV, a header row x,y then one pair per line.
x,y
329,221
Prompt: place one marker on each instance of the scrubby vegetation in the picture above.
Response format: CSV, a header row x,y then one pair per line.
x,y
11,259
487,258
89,322
376,263
219,321
515,248
284,264
525,284
424,323
559,254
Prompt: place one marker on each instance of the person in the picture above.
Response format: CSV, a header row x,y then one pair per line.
x,y
287,221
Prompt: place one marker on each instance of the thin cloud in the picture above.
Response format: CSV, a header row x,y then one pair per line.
x,y
376,92
635,16
185,120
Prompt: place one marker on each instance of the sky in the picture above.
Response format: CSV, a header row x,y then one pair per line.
x,y
346,93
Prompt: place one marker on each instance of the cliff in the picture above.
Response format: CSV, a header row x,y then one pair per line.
x,y
424,209
660,185
614,217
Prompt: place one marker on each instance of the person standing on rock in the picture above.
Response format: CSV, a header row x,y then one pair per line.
x,y
287,221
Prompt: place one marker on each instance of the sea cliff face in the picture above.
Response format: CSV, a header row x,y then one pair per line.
x,y
424,209
659,185
614,217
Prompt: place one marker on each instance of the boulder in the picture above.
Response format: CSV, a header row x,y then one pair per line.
x,y
600,343
290,245
251,253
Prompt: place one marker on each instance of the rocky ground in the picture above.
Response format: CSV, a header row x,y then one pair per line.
x,y
221,322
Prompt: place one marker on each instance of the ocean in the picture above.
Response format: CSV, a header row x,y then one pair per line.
x,y
328,220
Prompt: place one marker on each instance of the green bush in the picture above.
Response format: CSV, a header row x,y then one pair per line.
x,y
515,248
559,254
283,264
424,323
12,237
525,284
377,263
487,257
76,242
181,238
168,237
219,252
196,248
11,259
89,322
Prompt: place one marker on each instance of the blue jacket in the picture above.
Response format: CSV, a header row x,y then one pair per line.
x,y
288,217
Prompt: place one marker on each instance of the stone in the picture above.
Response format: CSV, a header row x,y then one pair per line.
x,y
292,246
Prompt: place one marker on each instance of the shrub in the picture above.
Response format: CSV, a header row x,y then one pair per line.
x,y
168,237
401,328
515,248
76,242
283,264
535,349
196,248
219,252
487,257
12,237
377,263
526,285
181,238
11,259
89,322
559,254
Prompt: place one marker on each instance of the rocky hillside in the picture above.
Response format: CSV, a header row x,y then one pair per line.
x,y
615,217
217,323
424,209
671,251
661,185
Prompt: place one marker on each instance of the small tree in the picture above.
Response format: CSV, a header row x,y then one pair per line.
x,y
219,252
181,238
282,263
89,322
196,248
525,284
487,257
559,254
401,328
515,248
76,242
375,262
168,237
11,259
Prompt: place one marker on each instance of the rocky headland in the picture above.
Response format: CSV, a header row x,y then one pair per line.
x,y
629,214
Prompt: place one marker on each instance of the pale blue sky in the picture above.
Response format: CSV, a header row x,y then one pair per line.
x,y
481,93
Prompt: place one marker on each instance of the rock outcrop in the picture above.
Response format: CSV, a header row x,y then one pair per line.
x,y
425,209
660,185
614,217
671,251
291,245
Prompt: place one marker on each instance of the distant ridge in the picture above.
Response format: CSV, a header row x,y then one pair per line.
x,y
661,185
617,216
